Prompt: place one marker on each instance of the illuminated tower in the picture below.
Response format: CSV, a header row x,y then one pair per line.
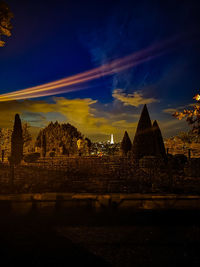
x,y
111,139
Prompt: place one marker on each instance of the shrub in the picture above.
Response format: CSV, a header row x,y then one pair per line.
x,y
17,142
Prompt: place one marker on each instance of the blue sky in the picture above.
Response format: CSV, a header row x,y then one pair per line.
x,y
54,39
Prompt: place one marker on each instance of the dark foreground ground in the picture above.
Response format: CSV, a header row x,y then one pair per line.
x,y
84,238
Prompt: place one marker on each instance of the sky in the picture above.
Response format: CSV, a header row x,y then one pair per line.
x,y
52,40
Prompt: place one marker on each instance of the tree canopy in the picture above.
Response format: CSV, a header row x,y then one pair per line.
x,y
5,22
126,144
192,116
59,137
17,141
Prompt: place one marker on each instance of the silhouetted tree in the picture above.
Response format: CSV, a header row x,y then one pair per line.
x,y
26,133
43,145
58,135
5,25
2,155
16,146
126,144
192,116
88,145
27,138
159,144
17,142
143,143
6,140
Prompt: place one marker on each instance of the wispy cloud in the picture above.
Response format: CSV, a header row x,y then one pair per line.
x,y
136,99
172,127
179,108
169,110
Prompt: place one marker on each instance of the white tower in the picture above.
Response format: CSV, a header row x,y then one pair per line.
x,y
112,139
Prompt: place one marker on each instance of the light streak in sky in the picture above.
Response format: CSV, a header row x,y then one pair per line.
x,y
76,82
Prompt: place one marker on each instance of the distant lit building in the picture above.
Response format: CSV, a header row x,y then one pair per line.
x,y
111,140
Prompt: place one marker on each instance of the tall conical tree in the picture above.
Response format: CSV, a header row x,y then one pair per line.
x,y
126,144
17,142
158,141
143,144
43,145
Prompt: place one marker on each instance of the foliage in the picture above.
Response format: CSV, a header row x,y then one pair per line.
x,y
89,143
26,134
43,145
61,138
189,137
126,144
84,146
27,138
192,116
88,146
17,142
185,137
6,140
5,25
32,157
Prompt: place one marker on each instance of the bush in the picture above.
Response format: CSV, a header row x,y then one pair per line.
x,y
32,157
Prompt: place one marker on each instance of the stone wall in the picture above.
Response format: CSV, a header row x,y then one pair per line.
x,y
100,175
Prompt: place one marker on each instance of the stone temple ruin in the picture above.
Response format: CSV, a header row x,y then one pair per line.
x,y
148,139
